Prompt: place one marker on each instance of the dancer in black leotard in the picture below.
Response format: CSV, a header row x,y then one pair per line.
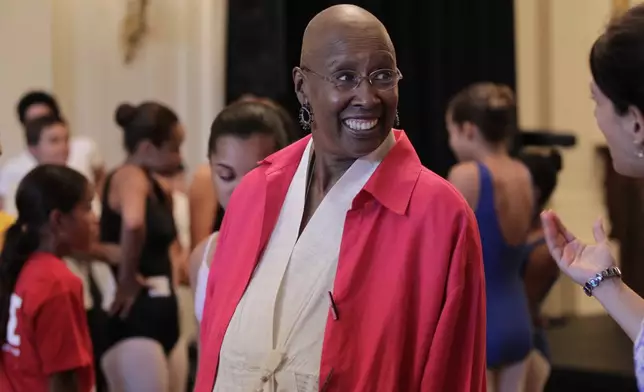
x,y
153,316
137,215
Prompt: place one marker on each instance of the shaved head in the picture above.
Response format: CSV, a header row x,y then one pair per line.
x,y
337,24
347,82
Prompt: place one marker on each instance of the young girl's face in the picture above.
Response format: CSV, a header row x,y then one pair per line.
x,y
80,228
234,158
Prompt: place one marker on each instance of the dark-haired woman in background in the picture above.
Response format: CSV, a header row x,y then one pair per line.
x,y
45,340
243,134
617,66
481,121
206,212
137,215
539,270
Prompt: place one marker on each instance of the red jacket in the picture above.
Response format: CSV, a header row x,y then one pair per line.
x,y
409,289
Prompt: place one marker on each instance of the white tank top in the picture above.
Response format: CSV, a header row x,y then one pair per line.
x,y
202,277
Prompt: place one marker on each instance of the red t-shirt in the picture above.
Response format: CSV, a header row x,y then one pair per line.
x,y
47,330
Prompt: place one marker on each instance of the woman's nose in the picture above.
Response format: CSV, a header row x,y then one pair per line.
x,y
366,95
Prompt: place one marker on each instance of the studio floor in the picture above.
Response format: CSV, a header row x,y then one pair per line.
x,y
590,354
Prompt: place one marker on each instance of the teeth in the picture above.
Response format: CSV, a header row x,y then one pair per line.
x,y
360,125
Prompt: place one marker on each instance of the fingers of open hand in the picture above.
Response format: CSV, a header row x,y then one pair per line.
x,y
554,239
561,228
598,231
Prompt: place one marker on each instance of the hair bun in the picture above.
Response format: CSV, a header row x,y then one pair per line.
x,y
124,114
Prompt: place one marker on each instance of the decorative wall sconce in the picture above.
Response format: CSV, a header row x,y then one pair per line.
x,y
134,28
620,6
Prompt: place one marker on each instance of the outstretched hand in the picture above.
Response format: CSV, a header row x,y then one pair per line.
x,y
579,261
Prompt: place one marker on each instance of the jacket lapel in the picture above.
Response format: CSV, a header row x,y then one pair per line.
x,y
281,168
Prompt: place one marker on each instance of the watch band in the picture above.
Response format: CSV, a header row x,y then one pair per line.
x,y
608,273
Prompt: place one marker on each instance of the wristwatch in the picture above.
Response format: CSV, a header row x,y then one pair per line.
x,y
608,273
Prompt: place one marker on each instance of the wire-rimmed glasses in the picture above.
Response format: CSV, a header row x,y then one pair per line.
x,y
381,79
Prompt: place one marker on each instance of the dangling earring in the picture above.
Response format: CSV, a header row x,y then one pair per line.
x,y
640,149
397,120
306,116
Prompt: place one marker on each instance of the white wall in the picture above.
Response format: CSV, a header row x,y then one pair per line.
x,y
553,42
181,63
25,44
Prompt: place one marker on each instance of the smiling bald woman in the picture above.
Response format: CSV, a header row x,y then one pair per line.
x,y
342,263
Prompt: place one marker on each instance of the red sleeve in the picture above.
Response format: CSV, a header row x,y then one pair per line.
x,y
247,184
62,335
206,316
457,358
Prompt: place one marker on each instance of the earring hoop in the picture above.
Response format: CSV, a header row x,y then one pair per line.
x,y
640,149
306,117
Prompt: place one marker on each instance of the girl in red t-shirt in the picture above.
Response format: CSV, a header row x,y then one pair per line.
x,y
44,336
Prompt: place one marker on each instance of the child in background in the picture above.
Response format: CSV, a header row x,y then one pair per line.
x,y
45,339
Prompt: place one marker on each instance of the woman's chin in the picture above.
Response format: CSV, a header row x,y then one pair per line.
x,y
629,169
362,142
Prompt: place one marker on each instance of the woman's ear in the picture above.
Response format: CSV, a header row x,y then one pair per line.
x,y
634,123
146,148
469,130
299,82
56,221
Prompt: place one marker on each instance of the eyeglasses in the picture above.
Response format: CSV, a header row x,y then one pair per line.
x,y
382,79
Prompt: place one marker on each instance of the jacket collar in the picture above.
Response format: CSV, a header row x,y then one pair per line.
x,y
392,183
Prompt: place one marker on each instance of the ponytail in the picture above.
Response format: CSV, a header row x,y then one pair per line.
x,y
21,241
45,189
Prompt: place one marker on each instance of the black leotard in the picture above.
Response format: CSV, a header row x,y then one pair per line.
x,y
153,317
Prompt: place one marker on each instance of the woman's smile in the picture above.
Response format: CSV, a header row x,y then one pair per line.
x,y
360,127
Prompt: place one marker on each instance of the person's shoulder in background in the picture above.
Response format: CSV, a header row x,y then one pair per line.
x,y
11,173
84,155
6,220
438,193
17,166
